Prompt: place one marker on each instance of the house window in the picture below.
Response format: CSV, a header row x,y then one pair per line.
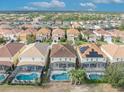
x,y
56,64
52,59
71,65
32,58
60,59
91,59
87,59
62,65
65,59
93,65
117,59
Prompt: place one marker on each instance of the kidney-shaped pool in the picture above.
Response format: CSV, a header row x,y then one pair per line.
x,y
31,76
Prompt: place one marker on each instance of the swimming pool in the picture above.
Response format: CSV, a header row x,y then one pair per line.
x,y
31,76
2,77
95,77
60,77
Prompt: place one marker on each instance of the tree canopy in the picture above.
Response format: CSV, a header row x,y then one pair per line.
x,y
115,74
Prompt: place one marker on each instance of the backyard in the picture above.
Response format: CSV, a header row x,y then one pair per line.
x,y
59,87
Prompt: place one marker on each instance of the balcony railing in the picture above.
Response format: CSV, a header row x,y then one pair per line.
x,y
95,69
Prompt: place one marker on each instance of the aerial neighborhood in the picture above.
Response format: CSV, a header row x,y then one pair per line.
x,y
40,48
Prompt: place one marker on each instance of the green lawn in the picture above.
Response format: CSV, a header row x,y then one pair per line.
x,y
101,42
79,42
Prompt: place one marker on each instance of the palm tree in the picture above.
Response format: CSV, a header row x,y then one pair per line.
x,y
77,76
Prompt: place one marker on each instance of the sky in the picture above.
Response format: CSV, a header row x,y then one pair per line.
x,y
63,5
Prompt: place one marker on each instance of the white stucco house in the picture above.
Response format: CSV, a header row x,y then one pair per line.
x,y
114,52
62,57
92,59
100,33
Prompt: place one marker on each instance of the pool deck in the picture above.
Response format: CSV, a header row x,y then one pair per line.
x,y
15,81
5,75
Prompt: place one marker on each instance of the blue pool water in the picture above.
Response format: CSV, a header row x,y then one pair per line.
x,y
32,76
2,77
95,77
61,77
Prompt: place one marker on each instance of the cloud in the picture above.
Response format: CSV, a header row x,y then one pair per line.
x,y
51,4
28,8
107,1
88,6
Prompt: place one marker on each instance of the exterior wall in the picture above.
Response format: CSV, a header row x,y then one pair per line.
x,y
108,39
32,59
53,59
42,59
39,37
93,60
62,63
23,37
10,37
117,60
57,37
6,59
42,37
71,37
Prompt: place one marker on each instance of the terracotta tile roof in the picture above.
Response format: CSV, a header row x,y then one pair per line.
x,y
10,49
9,31
28,31
73,32
44,31
58,32
59,50
117,33
35,50
102,32
86,50
31,63
114,50
6,63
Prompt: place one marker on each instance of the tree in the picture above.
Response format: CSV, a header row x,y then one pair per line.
x,y
18,39
117,39
2,40
121,28
31,39
77,76
24,28
102,38
38,82
80,37
63,40
115,74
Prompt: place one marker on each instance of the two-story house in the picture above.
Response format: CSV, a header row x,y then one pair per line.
x,y
72,34
92,59
102,34
9,34
62,59
43,34
34,54
114,52
58,34
9,58
32,62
